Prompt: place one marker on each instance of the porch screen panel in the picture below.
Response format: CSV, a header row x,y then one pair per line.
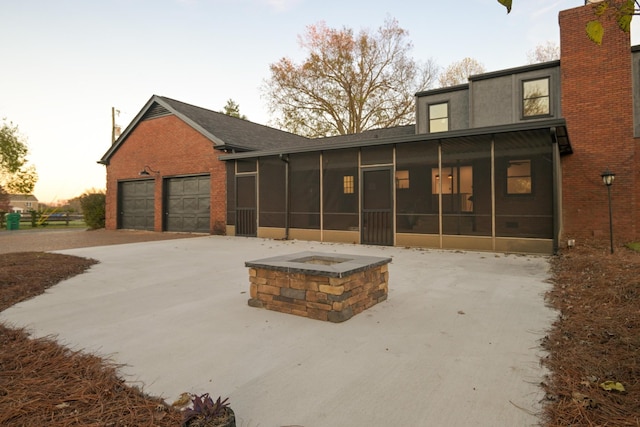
x,y
416,205
271,192
465,179
305,190
231,192
340,189
246,223
377,155
524,185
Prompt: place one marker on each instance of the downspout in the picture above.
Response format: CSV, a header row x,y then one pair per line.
x,y
285,158
557,190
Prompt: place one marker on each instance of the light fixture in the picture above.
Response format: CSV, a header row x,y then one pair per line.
x,y
147,171
608,177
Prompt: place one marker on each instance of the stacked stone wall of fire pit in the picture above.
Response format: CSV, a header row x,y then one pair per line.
x,y
322,295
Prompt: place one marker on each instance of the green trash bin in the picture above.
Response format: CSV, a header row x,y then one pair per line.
x,y
13,221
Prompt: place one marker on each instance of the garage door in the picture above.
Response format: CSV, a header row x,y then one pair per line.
x,y
136,207
187,203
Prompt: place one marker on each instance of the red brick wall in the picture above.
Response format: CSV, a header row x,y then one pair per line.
x,y
597,104
168,145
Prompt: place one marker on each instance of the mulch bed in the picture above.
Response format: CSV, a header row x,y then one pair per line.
x,y
45,384
596,338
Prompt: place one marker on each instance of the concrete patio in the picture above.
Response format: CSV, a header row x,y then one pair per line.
x,y
455,344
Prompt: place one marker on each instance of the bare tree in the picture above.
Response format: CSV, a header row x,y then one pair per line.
x,y
459,72
348,83
545,52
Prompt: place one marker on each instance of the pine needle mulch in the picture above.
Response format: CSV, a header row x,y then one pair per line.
x,y
45,384
594,346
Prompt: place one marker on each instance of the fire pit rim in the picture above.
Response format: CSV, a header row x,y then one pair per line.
x,y
287,263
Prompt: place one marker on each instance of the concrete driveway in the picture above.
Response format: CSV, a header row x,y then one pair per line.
x,y
455,344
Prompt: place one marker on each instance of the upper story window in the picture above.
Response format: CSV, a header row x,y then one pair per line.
x,y
439,117
535,98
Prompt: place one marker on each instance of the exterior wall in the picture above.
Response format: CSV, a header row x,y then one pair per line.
x,y
496,98
598,107
170,146
458,99
491,99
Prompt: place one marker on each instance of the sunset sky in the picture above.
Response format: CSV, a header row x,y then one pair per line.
x,y
65,64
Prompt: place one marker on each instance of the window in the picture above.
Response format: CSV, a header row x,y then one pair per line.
x,y
347,184
519,177
28,204
439,117
457,187
535,98
402,179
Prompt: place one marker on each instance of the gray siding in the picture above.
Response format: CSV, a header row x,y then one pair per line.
x,y
458,100
493,102
493,99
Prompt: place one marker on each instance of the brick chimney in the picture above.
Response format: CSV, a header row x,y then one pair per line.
x,y
597,103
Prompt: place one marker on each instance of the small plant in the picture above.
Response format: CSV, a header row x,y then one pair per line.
x,y
206,412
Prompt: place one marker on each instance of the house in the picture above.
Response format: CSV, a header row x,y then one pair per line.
x,y
20,203
163,172
509,162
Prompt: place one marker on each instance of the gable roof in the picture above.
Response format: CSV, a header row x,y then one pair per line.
x,y
22,198
225,132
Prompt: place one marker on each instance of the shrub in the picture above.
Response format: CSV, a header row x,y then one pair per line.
x,y
93,209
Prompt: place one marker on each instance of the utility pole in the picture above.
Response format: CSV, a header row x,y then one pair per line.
x,y
114,128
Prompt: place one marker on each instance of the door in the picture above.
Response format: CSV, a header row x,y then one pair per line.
x,y
136,204
246,203
377,207
187,204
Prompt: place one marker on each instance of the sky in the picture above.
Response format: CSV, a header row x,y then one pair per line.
x,y
67,63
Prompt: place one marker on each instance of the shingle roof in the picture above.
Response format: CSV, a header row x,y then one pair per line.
x,y
226,132
234,133
369,135
22,198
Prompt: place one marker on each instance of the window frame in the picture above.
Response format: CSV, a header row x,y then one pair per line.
x,y
348,184
402,180
430,119
507,177
523,100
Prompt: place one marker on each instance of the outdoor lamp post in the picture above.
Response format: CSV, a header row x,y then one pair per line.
x,y
607,178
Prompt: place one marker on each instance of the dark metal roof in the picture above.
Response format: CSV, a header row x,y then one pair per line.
x,y
463,86
226,132
555,127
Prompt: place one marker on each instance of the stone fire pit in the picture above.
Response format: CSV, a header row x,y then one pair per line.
x,y
323,286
